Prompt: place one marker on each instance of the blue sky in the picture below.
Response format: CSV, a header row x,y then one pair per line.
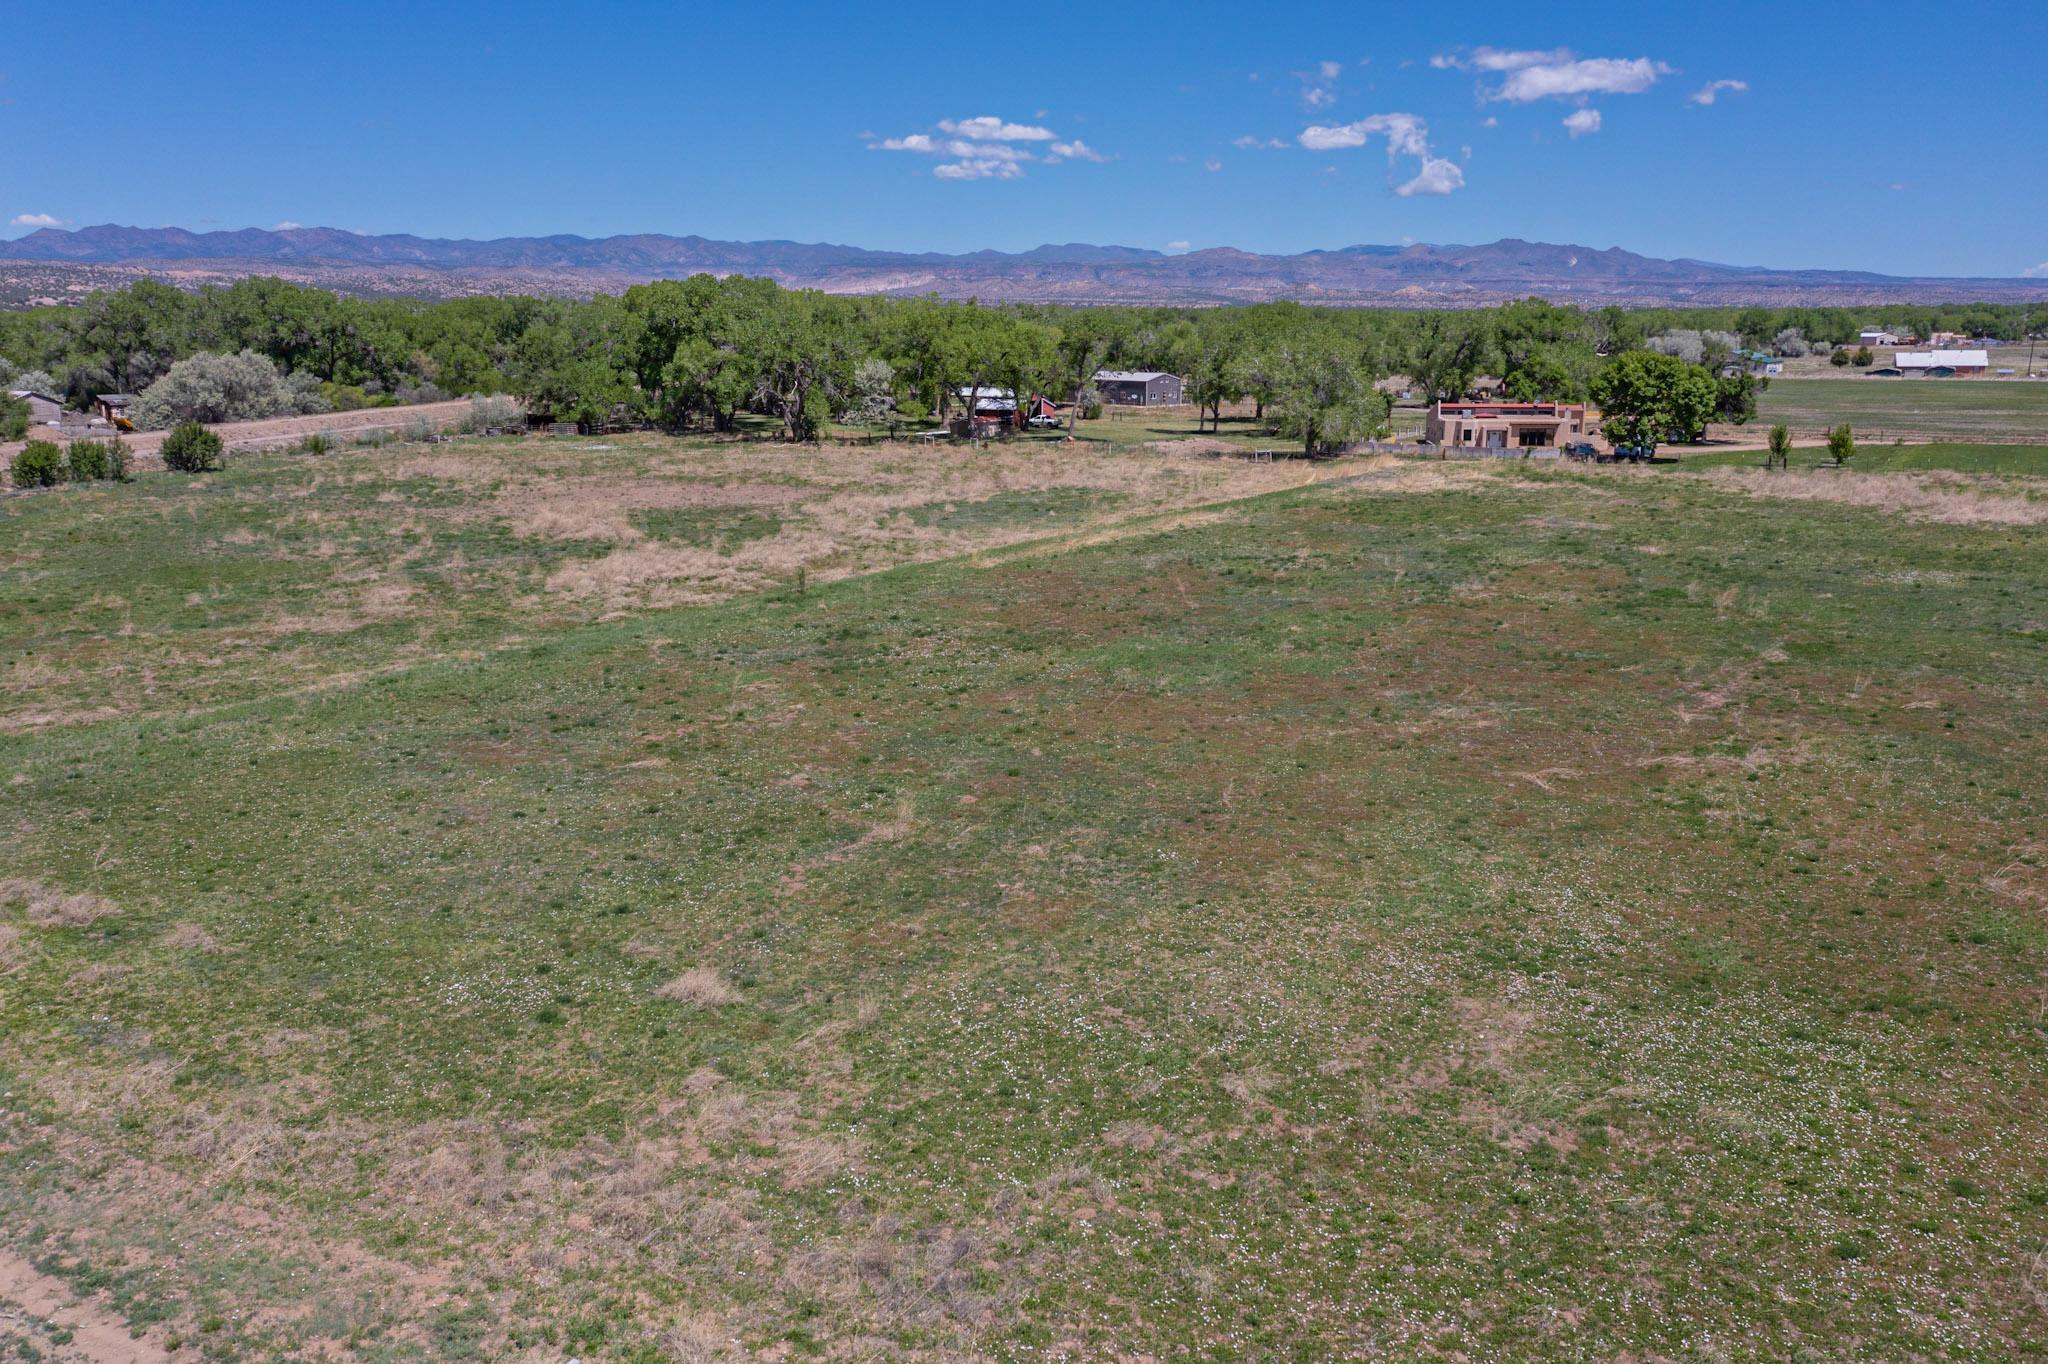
x,y
1773,134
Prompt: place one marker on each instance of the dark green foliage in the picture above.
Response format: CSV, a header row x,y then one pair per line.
x,y
191,449
91,460
1863,359
14,417
39,464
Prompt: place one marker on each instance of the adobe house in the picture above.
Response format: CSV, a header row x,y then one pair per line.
x,y
1138,388
1506,425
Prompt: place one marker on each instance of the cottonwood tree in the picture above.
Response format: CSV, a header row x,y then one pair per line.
x,y
1841,445
1646,397
1323,398
1447,351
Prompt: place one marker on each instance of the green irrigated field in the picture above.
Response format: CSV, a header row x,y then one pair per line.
x,y
1916,408
2031,460
1451,910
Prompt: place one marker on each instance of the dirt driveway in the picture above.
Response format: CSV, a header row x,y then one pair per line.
x,y
273,432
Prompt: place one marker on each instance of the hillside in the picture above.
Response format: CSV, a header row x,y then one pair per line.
x,y
51,264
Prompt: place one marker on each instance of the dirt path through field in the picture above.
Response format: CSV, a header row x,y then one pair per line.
x,y
98,1336
273,432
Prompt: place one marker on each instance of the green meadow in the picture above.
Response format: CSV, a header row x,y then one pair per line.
x,y
680,901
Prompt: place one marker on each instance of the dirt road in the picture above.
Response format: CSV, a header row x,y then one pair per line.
x,y
274,432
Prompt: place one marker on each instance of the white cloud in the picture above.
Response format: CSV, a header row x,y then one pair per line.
x,y
1582,122
1077,150
1315,97
988,128
1179,246
286,226
1259,144
1489,122
1406,135
1556,74
1713,90
1330,70
986,148
1437,176
1212,165
2036,271
34,220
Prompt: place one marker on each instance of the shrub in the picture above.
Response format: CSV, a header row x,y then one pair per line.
x,y
191,449
419,428
14,417
1839,359
1842,444
39,464
1780,456
89,460
494,411
315,444
221,388
1863,359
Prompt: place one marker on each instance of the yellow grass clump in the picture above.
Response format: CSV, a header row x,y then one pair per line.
x,y
700,987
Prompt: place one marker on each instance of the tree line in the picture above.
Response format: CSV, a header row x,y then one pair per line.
x,y
696,353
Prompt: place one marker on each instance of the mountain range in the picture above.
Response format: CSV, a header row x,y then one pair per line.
x,y
1417,275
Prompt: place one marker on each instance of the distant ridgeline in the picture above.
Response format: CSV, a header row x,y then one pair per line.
x,y
1075,273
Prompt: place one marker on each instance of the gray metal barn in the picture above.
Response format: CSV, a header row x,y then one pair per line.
x,y
1138,388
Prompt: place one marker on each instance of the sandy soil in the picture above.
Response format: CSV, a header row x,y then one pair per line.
x,y
98,1336
275,431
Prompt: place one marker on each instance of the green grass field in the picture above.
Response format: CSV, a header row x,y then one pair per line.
x,y
1957,409
2030,460
1441,911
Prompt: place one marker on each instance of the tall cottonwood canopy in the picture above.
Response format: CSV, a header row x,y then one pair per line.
x,y
697,353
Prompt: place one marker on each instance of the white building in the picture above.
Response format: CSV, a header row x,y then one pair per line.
x,y
1960,362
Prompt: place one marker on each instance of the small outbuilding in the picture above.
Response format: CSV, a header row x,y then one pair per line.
x,y
114,407
1138,388
43,409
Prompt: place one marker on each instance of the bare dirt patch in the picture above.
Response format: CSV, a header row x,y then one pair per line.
x,y
96,1335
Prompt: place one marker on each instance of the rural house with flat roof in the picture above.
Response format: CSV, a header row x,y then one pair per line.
x,y
1506,425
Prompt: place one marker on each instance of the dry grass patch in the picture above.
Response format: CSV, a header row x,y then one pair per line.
x,y
53,908
1952,499
700,987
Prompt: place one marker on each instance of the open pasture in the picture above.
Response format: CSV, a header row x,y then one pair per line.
x,y
1952,409
1106,908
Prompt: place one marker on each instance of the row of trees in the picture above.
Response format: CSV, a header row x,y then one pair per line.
x,y
698,352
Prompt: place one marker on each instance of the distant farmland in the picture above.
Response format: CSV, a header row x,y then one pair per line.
x,y
1981,409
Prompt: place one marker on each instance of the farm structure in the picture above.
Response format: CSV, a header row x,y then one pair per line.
x,y
1506,425
1138,388
1944,364
998,407
43,410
